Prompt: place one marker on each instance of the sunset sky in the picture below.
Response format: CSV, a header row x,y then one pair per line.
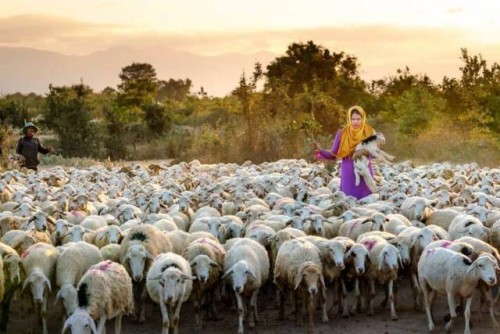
x,y
385,35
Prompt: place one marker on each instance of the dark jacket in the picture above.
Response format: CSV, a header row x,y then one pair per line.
x,y
29,148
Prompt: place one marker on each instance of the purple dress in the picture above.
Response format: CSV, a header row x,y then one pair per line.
x,y
347,178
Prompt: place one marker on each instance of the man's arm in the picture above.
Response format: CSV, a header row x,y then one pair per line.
x,y
42,149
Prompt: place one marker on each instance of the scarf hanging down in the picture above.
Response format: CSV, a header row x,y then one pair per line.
x,y
350,136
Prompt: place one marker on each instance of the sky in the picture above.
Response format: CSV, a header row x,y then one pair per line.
x,y
384,35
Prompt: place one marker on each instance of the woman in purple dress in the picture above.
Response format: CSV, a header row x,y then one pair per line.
x,y
345,141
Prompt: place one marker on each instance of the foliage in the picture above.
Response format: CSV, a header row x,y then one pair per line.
x,y
69,113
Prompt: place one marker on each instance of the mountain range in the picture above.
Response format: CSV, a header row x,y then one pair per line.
x,y
28,70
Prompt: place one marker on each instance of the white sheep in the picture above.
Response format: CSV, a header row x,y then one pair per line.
x,y
443,271
299,269
354,228
206,258
111,252
137,251
246,267
169,283
104,292
466,225
72,264
416,208
39,263
107,235
385,259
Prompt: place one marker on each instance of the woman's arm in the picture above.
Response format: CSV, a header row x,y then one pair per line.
x,y
330,155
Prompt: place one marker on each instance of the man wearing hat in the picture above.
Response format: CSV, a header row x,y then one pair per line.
x,y
28,147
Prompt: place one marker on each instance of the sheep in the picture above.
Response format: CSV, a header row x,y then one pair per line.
x,y
22,240
72,264
206,258
104,292
39,263
319,226
299,269
169,283
443,271
137,251
442,218
178,240
384,267
209,224
110,252
416,208
465,225
356,261
354,228
368,147
246,267
13,277
107,235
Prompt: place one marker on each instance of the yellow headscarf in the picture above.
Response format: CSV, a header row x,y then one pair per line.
x,y
350,136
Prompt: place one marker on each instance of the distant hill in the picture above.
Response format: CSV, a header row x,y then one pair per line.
x,y
29,70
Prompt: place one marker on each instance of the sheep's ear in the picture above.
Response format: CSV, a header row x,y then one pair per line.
x,y
25,284
46,280
230,271
67,326
149,255
298,278
322,280
157,277
56,299
125,258
251,273
184,276
216,265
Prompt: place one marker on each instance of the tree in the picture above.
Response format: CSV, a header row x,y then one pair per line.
x,y
69,112
138,85
157,119
176,90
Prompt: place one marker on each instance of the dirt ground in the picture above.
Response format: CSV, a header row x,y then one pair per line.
x,y
410,321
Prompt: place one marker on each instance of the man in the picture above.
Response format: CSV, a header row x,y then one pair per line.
x,y
28,147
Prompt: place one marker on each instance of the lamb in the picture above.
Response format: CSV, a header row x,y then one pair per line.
x,y
72,264
104,292
465,225
206,258
443,271
39,262
137,251
299,269
368,147
246,267
169,283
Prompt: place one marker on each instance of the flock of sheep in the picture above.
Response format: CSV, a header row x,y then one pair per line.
x,y
104,242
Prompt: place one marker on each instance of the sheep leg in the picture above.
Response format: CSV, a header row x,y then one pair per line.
x,y
5,308
241,311
43,312
486,294
468,303
453,310
416,291
335,301
299,307
427,304
177,312
143,298
310,311
371,296
101,327
281,313
324,315
394,316
357,178
118,324
343,299
357,294
164,314
197,314
252,316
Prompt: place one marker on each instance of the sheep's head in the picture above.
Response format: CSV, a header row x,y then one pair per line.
x,y
337,251
310,277
201,266
67,294
172,281
240,273
485,268
389,258
402,243
359,256
37,282
136,256
80,322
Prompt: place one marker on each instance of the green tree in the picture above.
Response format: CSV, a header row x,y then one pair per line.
x,y
138,85
176,90
157,119
70,113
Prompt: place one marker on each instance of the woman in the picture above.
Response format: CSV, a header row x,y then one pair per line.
x,y
345,141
